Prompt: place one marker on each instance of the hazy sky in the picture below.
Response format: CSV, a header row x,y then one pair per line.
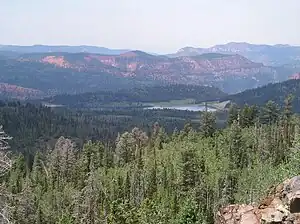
x,y
153,25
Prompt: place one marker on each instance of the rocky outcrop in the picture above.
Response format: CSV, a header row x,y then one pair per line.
x,y
295,76
230,72
281,206
141,64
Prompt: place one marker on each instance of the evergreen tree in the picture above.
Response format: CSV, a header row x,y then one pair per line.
x,y
248,116
287,119
39,172
189,170
270,113
232,113
208,124
125,149
180,179
189,213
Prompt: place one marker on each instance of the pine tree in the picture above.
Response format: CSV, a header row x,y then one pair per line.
x,y
39,171
208,124
189,213
248,116
186,130
125,149
127,188
287,118
88,206
189,170
152,185
66,150
237,160
232,114
237,153
270,113
17,175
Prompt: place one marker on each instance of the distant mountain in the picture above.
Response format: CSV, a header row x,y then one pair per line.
x,y
276,92
62,48
230,73
271,55
52,80
60,72
9,54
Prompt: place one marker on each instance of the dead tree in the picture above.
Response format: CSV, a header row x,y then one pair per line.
x,y
5,165
5,161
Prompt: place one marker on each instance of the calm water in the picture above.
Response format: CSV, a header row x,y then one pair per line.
x,y
184,107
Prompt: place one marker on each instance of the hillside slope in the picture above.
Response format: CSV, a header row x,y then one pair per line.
x,y
230,73
272,55
137,95
8,91
276,92
52,80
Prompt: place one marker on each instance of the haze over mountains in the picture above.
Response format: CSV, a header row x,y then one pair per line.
x,y
62,48
132,111
273,55
279,54
42,70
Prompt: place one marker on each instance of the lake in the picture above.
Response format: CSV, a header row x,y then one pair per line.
x,y
183,107
52,105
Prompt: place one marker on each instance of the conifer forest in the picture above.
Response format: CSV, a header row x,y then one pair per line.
x,y
149,112
152,176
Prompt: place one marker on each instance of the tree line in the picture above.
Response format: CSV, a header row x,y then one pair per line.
x,y
276,92
36,127
133,96
156,177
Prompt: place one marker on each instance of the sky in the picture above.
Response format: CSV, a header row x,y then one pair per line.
x,y
161,26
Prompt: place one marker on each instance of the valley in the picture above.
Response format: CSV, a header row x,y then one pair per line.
x,y
149,112
150,138
72,72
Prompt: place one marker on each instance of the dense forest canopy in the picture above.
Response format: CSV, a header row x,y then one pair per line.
x,y
147,176
275,92
103,158
146,94
37,127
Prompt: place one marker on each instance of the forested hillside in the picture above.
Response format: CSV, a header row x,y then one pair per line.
x,y
151,176
55,73
275,92
146,94
37,127
51,80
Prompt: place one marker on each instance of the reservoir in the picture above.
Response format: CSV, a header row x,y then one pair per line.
x,y
184,107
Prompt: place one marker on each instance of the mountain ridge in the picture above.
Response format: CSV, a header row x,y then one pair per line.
x,y
276,92
232,72
38,48
206,69
278,54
